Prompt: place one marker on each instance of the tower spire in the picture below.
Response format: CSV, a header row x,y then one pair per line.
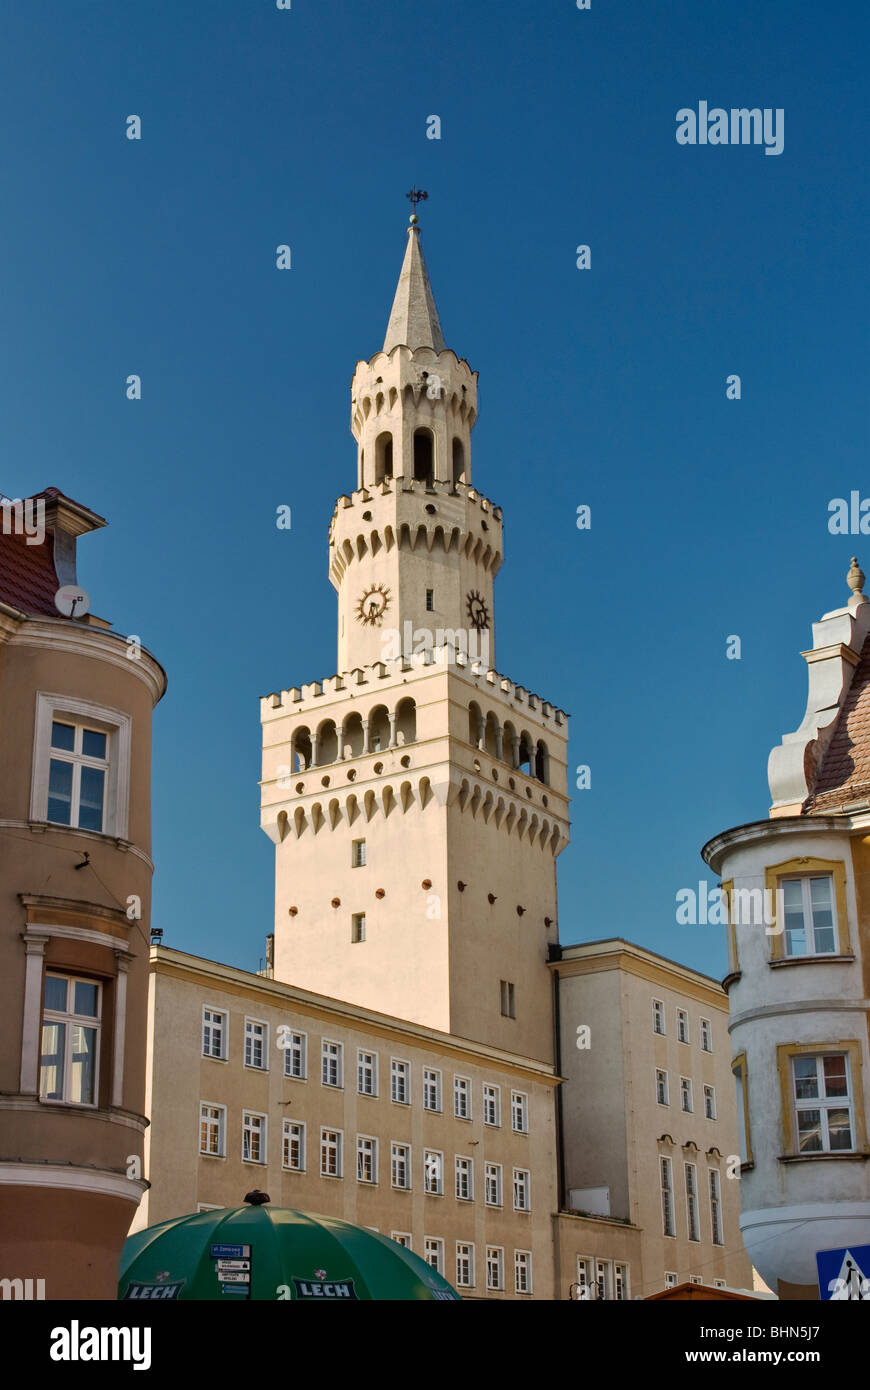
x,y
414,318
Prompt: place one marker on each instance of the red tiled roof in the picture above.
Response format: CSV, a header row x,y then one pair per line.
x,y
844,772
28,580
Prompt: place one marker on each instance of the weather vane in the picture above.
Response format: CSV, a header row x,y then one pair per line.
x,y
414,197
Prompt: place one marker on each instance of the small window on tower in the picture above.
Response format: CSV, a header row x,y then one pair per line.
x,y
507,999
430,600
358,854
358,927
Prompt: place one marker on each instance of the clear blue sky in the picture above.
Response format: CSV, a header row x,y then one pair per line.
x,y
604,387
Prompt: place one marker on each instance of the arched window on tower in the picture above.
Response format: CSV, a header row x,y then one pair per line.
x,y
458,461
383,456
406,721
424,456
300,757
542,762
326,743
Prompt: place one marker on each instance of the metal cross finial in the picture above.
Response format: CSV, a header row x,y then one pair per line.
x,y
415,196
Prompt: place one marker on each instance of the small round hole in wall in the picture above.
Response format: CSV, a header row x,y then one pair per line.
x,y
336,902
351,774
367,516
380,892
476,764
406,761
427,883
324,781
430,509
293,911
511,783
300,786
379,767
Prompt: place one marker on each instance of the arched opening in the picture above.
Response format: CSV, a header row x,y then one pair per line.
x,y
383,456
406,721
458,461
424,456
490,737
379,729
326,743
475,725
352,736
510,743
526,756
542,762
300,749
379,402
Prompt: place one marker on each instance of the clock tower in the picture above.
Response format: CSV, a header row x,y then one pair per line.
x,y
417,799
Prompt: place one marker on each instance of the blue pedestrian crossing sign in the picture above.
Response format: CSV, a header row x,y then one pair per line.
x,y
845,1274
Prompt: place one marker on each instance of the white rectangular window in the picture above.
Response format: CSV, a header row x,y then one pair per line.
x,y
692,1201
462,1097
400,1165
508,1004
214,1033
400,1082
293,1146
522,1189
256,1044
823,1103
81,766
719,1284
464,1179
77,774
330,1153
586,1286
686,1095
70,1050
367,1073
620,1283
493,1184
494,1267
810,918
433,1172
253,1137
658,1010
431,1089
710,1102
492,1105
331,1063
519,1112
366,1158
716,1207
695,1279
523,1271
670,1279
296,1056
666,1174
358,854
358,927
706,1035
433,1249
464,1265
401,1238
682,1026
662,1086
212,1130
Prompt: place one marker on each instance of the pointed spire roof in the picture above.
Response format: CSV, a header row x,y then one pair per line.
x,y
414,318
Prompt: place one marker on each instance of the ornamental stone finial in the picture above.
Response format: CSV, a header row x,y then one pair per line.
x,y
855,577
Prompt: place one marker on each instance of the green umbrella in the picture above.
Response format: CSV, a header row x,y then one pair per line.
x,y
268,1253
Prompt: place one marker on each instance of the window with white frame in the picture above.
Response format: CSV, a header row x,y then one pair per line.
x,y
604,1280
293,1146
658,1013
401,1238
692,1201
464,1178
716,1207
81,765
358,854
400,1082
433,1252
256,1044
686,1095
367,1073
214,1033
69,1062
620,1282
719,1284
810,916
586,1286
77,773
710,1102
358,927
492,1105
462,1097
682,1026
212,1130
331,1063
523,1271
695,1279
670,1279
522,1189
706,1035
666,1177
366,1158
519,1112
400,1165
823,1103
296,1056
662,1086
494,1267
330,1153
253,1137
207,1206
493,1184
431,1089
507,997
464,1264
433,1172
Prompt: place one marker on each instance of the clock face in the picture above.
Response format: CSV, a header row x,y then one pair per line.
x,y
477,611
373,605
